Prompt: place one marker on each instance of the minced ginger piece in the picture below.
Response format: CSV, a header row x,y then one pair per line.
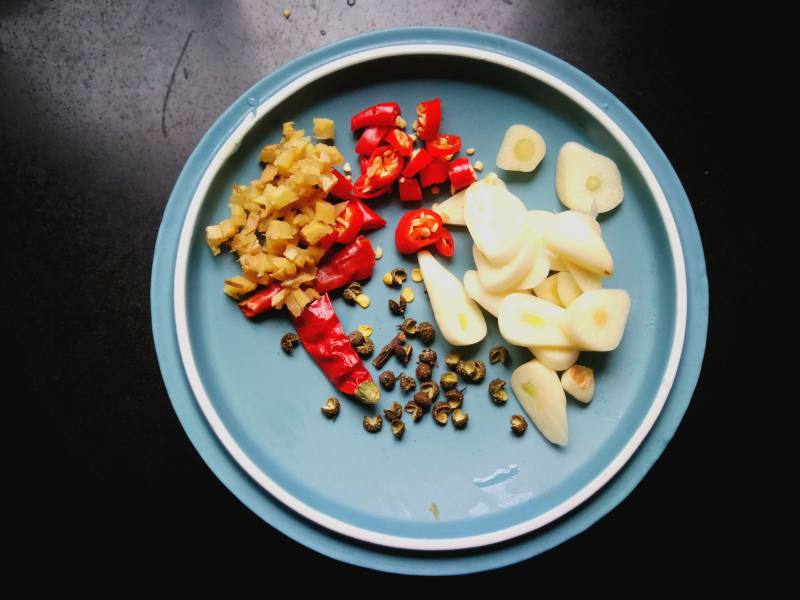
x,y
323,129
277,220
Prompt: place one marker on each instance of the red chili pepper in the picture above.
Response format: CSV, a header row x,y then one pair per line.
x,y
419,160
384,167
443,145
445,244
353,262
322,335
363,161
343,188
362,189
409,189
370,139
429,117
436,172
260,302
372,220
353,222
399,139
461,174
385,114
417,229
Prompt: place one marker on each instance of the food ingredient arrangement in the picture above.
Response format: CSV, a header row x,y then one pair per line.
x,y
298,232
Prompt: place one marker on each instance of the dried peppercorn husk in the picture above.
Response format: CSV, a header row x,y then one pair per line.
x,y
331,408
289,341
428,355
448,380
452,360
364,350
430,388
393,413
424,371
397,307
497,391
407,383
409,327
518,424
352,291
459,418
498,354
426,332
455,398
472,371
403,353
398,428
373,424
423,400
356,338
387,379
440,412
398,277
414,409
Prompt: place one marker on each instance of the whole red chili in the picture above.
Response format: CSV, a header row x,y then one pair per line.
x,y
417,229
385,113
429,117
322,335
353,262
260,302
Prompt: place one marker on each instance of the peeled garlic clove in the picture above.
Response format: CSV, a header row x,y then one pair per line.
x,y
460,320
578,382
586,280
548,290
558,359
539,391
587,181
526,320
500,278
572,237
522,149
596,320
567,288
496,220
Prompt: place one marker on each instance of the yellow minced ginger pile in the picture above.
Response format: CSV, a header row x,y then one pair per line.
x,y
278,219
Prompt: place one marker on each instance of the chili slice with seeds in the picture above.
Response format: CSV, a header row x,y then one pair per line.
x,y
417,229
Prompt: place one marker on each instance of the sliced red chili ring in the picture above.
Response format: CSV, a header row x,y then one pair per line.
x,y
343,188
417,229
372,220
347,225
371,139
429,117
385,165
385,113
363,161
409,189
461,174
419,160
445,244
443,145
400,140
434,173
363,189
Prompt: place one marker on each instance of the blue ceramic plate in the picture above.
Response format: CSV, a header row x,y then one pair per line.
x,y
467,500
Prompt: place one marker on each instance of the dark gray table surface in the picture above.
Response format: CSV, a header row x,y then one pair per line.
x,y
92,141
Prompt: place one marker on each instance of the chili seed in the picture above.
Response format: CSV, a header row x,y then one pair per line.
x,y
416,274
362,300
407,294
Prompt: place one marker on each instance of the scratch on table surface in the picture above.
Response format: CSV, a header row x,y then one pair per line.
x,y
171,83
